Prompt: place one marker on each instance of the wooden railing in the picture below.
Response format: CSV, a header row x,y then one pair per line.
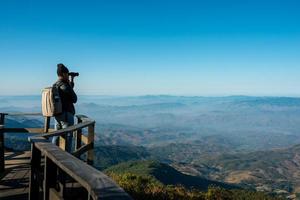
x,y
57,174
2,162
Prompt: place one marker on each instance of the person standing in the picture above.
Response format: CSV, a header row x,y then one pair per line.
x,y
68,98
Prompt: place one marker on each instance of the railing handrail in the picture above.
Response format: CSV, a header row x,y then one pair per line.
x,y
96,183
23,114
64,131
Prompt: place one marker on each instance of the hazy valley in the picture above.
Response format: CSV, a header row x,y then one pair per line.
x,y
250,142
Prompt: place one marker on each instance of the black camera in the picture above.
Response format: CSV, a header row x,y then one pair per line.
x,y
73,74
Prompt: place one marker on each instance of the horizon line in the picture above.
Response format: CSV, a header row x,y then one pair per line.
x,y
167,95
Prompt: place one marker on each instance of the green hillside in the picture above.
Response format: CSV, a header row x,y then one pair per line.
x,y
151,180
165,174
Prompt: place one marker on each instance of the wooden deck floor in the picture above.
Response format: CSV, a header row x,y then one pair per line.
x,y
15,180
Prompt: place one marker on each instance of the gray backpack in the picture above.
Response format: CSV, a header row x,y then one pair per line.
x,y
51,101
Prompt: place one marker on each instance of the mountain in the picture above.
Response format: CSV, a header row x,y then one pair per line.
x,y
253,123
151,180
165,174
19,141
234,139
274,171
204,148
109,155
22,122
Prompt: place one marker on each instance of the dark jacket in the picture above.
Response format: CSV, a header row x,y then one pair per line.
x,y
67,95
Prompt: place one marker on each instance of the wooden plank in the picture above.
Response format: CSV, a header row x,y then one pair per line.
x,y
47,124
2,162
62,143
35,166
54,195
14,183
98,185
24,114
14,160
84,139
2,118
2,146
14,194
50,174
82,150
34,139
83,118
78,135
68,129
91,135
26,130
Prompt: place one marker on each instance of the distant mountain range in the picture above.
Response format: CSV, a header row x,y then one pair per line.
x,y
249,141
251,123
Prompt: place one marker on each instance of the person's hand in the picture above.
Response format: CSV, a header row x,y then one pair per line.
x,y
72,82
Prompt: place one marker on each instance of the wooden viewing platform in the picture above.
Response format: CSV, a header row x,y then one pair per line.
x,y
49,172
14,182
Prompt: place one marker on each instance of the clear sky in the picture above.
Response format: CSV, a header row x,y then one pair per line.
x,y
212,47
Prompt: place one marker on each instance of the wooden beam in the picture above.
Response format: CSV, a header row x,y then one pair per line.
x,y
91,135
2,145
83,118
82,150
54,195
78,135
84,139
47,124
62,143
2,158
50,176
26,130
23,114
34,190
2,118
34,139
68,129
98,185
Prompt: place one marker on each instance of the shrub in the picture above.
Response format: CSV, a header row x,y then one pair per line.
x,y
148,188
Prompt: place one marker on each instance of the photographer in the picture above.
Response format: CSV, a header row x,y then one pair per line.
x,y
68,99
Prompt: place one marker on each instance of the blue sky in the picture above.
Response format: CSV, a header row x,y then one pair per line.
x,y
209,48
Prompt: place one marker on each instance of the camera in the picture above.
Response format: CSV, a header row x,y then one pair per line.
x,y
73,74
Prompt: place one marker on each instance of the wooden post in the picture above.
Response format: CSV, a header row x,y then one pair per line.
x,y
78,135
62,176
91,135
34,188
54,195
62,142
47,124
2,158
50,176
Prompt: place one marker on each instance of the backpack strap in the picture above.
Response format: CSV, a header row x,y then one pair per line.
x,y
58,84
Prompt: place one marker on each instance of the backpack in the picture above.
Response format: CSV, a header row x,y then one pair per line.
x,y
51,101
